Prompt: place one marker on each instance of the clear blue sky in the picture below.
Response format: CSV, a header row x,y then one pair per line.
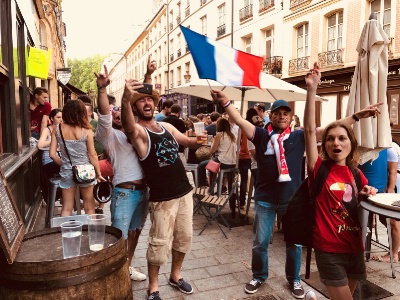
x,y
101,27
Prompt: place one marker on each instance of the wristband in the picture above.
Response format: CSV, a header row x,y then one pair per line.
x,y
101,87
354,116
226,104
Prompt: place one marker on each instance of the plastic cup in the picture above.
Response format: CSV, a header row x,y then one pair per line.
x,y
71,232
198,129
96,227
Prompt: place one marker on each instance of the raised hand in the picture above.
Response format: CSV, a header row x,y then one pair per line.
x,y
102,80
369,111
151,65
313,77
219,96
131,85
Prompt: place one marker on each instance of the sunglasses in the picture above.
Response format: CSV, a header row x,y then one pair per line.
x,y
117,108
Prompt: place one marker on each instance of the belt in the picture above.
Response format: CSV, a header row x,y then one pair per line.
x,y
135,187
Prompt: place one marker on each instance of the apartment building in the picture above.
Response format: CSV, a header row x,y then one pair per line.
x,y
291,35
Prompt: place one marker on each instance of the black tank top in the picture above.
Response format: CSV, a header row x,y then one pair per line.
x,y
164,170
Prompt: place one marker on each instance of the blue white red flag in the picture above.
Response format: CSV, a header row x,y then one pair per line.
x,y
221,63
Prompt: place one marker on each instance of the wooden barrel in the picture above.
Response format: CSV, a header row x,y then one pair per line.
x,y
40,271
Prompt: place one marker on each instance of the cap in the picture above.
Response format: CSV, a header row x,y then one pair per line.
x,y
280,104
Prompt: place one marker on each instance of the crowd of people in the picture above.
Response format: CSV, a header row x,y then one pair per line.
x,y
144,154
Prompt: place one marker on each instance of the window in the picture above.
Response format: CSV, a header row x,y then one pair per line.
x,y
248,43
378,6
221,15
269,38
179,75
248,2
203,21
335,27
302,41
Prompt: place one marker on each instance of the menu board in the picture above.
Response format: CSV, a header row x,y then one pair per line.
x,y
12,228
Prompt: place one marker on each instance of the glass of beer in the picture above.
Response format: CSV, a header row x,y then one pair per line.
x,y
198,129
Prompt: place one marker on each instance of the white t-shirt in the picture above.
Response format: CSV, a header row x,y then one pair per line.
x,y
251,146
123,157
393,155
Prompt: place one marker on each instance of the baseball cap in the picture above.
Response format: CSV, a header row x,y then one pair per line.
x,y
280,104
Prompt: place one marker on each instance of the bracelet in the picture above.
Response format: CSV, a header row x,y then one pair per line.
x,y
101,87
226,104
354,116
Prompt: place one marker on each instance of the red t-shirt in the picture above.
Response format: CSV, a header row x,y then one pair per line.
x,y
37,114
337,228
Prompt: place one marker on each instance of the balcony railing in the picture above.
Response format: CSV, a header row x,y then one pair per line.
x,y
186,48
178,19
299,64
159,62
165,59
178,82
273,65
171,57
265,4
178,54
202,2
330,58
221,30
187,11
172,85
246,12
171,26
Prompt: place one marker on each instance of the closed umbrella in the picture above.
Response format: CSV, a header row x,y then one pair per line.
x,y
369,87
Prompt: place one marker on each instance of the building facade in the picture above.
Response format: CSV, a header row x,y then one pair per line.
x,y
26,24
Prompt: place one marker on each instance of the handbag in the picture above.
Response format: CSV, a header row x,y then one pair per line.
x,y
203,153
213,166
84,173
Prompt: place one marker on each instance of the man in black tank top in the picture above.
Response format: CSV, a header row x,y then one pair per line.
x,y
171,203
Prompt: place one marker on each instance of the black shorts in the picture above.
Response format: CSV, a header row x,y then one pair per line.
x,y
336,268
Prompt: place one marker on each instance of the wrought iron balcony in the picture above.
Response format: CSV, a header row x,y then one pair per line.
x,y
246,12
165,59
178,82
298,64
202,2
171,57
171,26
187,11
159,62
178,19
330,58
221,30
178,54
172,85
273,65
186,48
265,4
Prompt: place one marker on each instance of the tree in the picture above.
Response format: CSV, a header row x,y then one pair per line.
x,y
82,72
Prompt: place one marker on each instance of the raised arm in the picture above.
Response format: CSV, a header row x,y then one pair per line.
x,y
151,67
103,81
312,79
233,114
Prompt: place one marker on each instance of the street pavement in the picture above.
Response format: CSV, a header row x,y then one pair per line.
x,y
218,268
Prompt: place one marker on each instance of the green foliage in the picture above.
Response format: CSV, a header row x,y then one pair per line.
x,y
82,71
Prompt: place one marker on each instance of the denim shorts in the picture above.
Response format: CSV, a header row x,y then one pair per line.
x,y
336,268
129,209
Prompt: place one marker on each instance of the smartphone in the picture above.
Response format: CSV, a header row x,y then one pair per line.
x,y
146,89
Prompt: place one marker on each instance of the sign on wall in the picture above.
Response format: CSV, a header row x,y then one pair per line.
x,y
64,75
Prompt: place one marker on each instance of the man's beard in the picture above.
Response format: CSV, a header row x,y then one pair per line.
x,y
141,116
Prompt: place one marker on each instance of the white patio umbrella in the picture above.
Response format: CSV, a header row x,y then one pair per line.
x,y
369,87
272,89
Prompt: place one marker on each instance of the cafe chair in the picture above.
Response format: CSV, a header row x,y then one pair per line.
x,y
220,179
194,169
208,202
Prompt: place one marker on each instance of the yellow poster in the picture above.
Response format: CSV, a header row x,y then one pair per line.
x,y
38,63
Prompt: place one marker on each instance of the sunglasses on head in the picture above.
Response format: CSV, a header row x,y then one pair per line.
x,y
116,108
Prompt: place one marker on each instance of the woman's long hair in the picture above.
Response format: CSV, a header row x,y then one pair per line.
x,y
353,158
75,114
224,127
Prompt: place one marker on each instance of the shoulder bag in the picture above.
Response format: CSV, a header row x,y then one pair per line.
x,y
213,166
84,173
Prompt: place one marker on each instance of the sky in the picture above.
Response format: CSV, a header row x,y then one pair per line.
x,y
103,26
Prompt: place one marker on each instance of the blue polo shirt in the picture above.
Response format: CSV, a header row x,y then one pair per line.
x,y
377,172
267,188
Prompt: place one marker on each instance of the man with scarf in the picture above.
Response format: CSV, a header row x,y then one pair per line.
x,y
279,156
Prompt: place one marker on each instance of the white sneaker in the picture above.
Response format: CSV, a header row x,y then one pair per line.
x,y
310,295
136,275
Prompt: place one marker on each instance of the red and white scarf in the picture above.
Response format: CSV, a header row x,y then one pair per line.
x,y
275,146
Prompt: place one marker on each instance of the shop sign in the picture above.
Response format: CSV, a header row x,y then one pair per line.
x,y
157,86
38,63
64,75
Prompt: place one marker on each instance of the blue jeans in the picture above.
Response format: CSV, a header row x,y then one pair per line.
x,y
129,209
264,219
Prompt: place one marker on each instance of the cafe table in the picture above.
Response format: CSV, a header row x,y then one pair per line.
x,y
380,204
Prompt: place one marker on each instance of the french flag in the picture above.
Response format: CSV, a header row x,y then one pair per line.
x,y
221,63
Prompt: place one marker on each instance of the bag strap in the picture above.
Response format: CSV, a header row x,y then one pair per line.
x,y
320,179
357,178
65,146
